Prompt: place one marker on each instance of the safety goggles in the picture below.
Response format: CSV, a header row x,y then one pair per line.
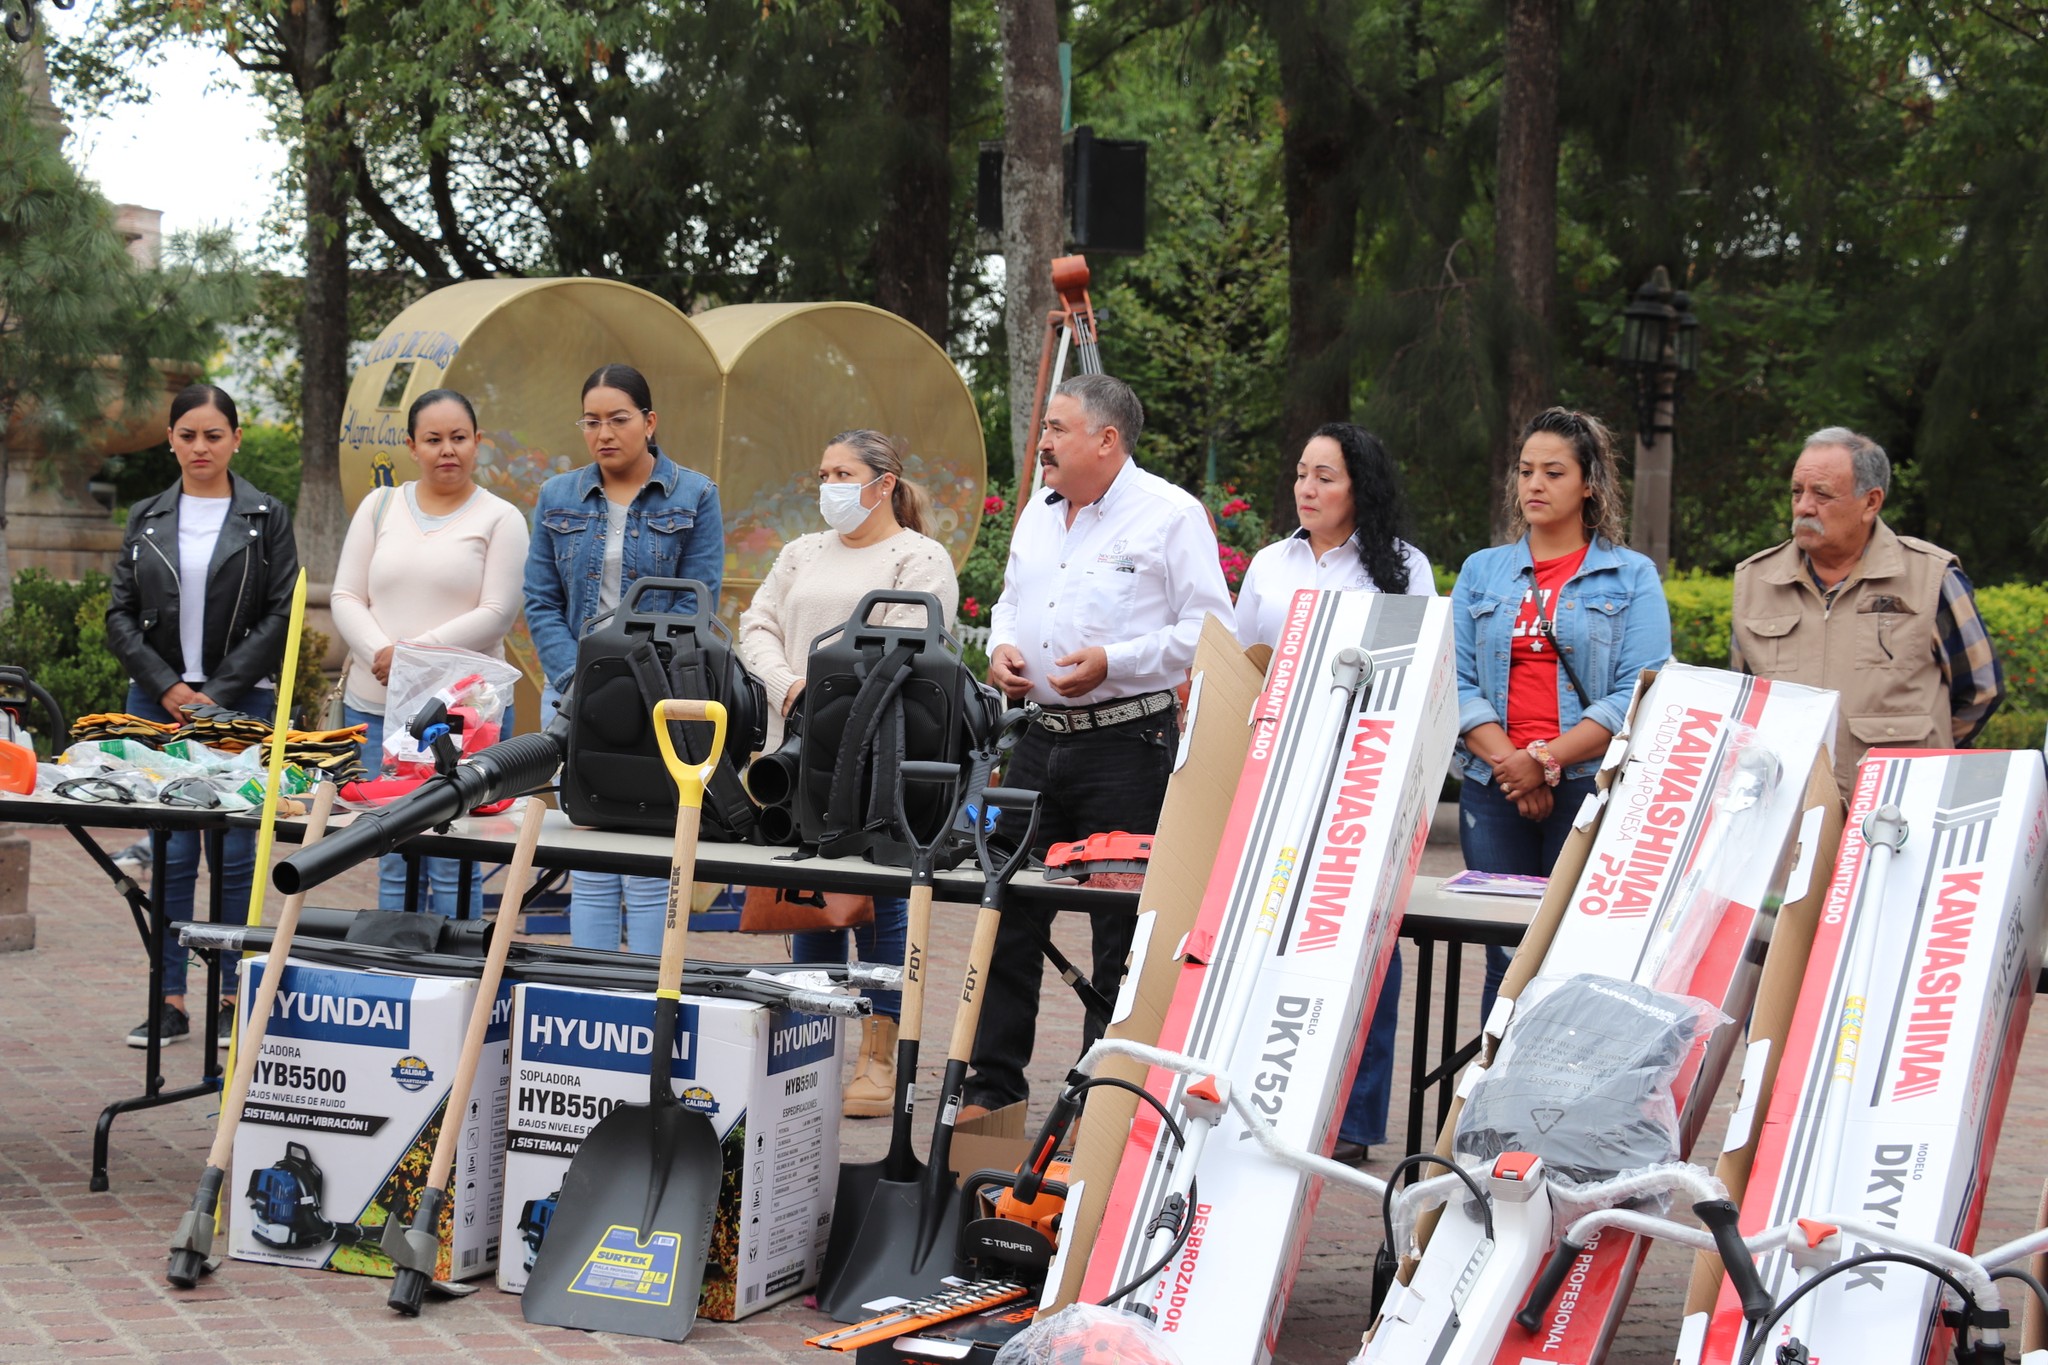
x,y
96,790
196,791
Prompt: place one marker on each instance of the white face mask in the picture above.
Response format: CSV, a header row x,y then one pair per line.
x,y
839,504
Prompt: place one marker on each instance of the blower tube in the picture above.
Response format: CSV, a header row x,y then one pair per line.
x,y
771,779
513,768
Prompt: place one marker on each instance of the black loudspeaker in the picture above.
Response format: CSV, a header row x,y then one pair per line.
x,y
1103,198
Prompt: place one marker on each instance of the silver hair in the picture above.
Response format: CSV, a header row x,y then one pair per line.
x,y
1867,460
1109,402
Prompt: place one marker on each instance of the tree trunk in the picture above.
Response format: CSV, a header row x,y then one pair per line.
x,y
1525,224
1033,214
1319,182
323,320
912,249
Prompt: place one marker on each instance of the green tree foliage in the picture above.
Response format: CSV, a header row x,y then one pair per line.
x,y
57,633
82,327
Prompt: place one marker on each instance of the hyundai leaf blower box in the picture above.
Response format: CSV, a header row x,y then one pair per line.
x,y
1317,974
768,1079
343,1113
1942,1012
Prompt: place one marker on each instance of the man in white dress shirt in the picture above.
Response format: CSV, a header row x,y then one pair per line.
x,y
1111,571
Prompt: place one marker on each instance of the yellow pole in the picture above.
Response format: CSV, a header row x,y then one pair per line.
x,y
287,680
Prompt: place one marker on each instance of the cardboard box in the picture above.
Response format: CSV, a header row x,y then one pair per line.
x,y
767,1078
1214,739
1624,865
1955,964
343,1114
1344,879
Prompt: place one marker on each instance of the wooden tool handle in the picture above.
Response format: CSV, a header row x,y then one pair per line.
x,y
506,928
974,986
916,943
690,780
251,1041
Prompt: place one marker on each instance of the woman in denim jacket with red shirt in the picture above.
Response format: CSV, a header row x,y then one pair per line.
x,y
1552,631
631,513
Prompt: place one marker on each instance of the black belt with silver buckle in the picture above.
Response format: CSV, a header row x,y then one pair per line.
x,y
1067,720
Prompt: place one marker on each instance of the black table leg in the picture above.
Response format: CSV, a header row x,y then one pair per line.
x,y
1447,1045
464,870
154,927
1418,1065
412,883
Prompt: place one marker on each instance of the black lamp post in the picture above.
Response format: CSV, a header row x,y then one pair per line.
x,y
1660,344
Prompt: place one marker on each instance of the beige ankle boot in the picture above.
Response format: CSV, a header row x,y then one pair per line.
x,y
872,1091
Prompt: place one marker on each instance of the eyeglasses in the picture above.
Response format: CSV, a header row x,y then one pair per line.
x,y
589,425
196,791
94,789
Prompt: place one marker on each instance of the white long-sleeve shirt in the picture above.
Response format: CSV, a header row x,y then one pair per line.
x,y
1287,566
1135,573
458,583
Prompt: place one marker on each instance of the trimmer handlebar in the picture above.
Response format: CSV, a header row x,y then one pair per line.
x,y
1722,1219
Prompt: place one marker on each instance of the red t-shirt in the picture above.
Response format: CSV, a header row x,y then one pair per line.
x,y
1532,663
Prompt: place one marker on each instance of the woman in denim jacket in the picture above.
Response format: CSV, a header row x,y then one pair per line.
x,y
631,513
1552,631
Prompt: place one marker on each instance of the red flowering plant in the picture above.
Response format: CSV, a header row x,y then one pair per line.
x,y
1240,530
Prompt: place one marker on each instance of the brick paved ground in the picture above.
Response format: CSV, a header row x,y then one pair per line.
x,y
81,1273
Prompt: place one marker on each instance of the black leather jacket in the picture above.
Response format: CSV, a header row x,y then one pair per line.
x,y
248,594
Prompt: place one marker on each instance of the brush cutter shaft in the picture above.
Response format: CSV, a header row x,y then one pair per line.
x,y
516,880
1884,832
266,996
1349,670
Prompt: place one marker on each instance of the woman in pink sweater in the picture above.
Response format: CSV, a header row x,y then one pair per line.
x,y
436,560
876,541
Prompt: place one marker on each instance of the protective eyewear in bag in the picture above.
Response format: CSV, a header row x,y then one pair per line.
x,y
96,790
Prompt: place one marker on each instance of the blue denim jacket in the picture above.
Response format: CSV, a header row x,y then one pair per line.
x,y
1611,619
673,530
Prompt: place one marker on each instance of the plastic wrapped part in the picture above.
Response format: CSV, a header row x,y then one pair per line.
x,y
457,677
1411,1203
1649,1186
1584,1078
1748,778
1084,1334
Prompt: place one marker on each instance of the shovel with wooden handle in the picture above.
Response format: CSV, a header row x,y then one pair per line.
x,y
192,1247
626,1247
415,1248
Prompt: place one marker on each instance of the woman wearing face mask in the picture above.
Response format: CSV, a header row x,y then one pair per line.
x,y
876,541
1347,496
436,561
201,604
631,513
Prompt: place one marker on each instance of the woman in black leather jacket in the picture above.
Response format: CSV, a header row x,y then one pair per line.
x,y
219,646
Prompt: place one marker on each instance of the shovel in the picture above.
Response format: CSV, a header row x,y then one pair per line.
x,y
415,1249
906,1244
192,1247
858,1182
626,1248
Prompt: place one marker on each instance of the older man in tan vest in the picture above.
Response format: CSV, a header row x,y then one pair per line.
x,y
1886,620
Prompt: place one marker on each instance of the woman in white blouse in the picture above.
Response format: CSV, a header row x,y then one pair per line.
x,y
436,560
1347,495
876,541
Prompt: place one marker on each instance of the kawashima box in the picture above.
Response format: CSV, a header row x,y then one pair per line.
x,y
767,1078
1318,975
1959,921
343,1113
1667,845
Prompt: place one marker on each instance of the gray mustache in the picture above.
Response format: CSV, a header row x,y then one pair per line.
x,y
1812,524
